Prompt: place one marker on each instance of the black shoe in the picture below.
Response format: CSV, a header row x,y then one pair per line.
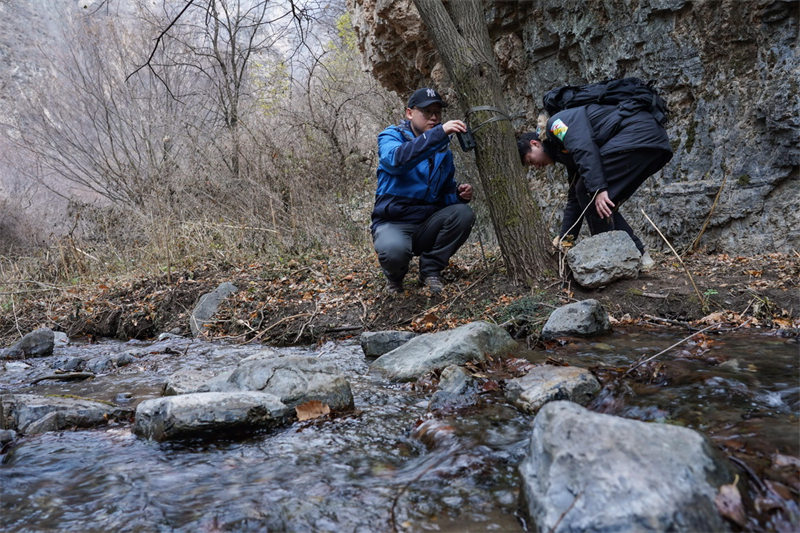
x,y
394,287
434,284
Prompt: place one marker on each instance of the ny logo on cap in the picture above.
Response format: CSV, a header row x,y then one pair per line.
x,y
431,93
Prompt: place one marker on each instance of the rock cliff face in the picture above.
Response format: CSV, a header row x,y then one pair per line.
x,y
729,70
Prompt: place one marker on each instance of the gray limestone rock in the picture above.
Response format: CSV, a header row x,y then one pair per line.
x,y
30,413
377,343
187,380
208,414
6,436
294,380
37,343
456,389
549,383
207,306
593,472
585,319
471,342
598,260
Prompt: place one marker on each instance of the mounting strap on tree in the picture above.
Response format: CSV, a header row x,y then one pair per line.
x,y
467,140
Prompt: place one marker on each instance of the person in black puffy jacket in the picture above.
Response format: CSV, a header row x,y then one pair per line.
x,y
608,154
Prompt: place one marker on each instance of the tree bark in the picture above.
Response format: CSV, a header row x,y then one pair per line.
x,y
461,38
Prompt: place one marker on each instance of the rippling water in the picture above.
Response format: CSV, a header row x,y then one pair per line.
x,y
373,470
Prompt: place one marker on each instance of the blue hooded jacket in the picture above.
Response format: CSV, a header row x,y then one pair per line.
x,y
415,175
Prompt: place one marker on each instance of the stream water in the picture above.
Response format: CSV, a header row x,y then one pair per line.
x,y
369,470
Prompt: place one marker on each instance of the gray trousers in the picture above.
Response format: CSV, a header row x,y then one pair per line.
x,y
434,241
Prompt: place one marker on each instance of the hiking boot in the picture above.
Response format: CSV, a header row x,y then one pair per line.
x,y
434,284
394,288
646,263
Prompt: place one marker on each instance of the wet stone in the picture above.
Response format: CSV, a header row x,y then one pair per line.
x,y
293,379
377,343
548,383
37,343
620,475
468,343
585,319
30,413
456,390
208,414
7,435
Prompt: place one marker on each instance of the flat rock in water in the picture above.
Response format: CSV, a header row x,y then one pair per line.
x,y
456,390
294,380
186,381
584,319
471,342
549,383
208,414
600,259
587,471
377,343
31,413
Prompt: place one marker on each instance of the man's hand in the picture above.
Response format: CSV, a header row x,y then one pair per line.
x,y
454,126
465,192
603,204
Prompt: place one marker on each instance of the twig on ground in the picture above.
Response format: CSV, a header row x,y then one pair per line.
x,y
69,376
762,487
669,321
284,319
310,320
665,350
652,295
363,316
16,319
461,292
700,297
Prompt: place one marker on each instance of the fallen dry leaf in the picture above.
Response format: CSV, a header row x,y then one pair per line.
x,y
729,503
312,409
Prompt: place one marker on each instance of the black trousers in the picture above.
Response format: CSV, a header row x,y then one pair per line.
x,y
434,241
625,172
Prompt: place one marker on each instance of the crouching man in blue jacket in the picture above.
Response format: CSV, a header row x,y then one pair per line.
x,y
419,207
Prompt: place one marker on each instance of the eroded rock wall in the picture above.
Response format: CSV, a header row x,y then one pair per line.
x,y
729,70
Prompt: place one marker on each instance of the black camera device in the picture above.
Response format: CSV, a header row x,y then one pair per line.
x,y
466,140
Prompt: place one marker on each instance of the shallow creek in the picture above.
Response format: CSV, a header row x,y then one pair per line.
x,y
364,471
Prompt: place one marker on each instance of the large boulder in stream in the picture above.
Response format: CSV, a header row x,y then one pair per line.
x,y
207,306
31,413
587,471
584,319
471,342
294,380
549,383
600,259
37,343
207,414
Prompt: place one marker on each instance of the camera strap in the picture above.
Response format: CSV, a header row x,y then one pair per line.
x,y
499,115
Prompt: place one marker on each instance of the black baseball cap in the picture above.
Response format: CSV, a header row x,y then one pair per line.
x,y
425,97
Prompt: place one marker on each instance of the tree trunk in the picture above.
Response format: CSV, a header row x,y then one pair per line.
x,y
462,41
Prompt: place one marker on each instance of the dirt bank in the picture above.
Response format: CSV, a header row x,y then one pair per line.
x,y
341,294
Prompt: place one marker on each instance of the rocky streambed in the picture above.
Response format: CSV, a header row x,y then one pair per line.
x,y
184,434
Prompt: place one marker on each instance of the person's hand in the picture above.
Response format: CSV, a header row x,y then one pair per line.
x,y
603,204
465,192
454,126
